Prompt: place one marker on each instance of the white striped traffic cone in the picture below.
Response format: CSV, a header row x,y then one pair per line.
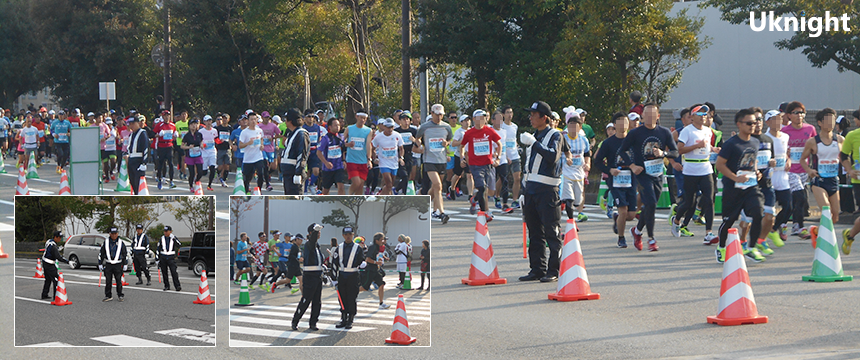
x,y
62,298
737,303
40,272
64,184
400,330
31,167
122,180
257,191
198,188
142,189
483,270
573,283
827,264
22,188
239,187
203,292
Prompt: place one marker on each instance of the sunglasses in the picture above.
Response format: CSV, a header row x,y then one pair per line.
x,y
452,117
700,113
798,112
759,118
750,123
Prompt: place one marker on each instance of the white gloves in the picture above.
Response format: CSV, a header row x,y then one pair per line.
x,y
101,268
156,263
297,179
522,199
334,283
124,268
141,168
318,227
527,139
363,265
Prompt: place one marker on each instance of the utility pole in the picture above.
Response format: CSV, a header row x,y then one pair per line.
x,y
406,42
168,102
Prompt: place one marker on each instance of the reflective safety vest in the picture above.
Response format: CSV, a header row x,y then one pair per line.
x,y
167,248
48,251
139,243
115,259
318,266
350,265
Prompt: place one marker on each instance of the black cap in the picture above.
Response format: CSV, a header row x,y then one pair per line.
x,y
131,120
114,230
58,234
138,226
293,115
194,121
783,106
540,107
287,235
347,230
168,228
311,228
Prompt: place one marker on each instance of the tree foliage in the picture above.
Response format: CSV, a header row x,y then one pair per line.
x,y
37,217
191,211
393,205
351,203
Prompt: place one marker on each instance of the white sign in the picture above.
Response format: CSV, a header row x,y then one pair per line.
x,y
107,91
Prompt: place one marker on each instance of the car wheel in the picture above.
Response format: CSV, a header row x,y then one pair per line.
x,y
199,267
73,261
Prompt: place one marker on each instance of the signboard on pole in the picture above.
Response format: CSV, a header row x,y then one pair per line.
x,y
107,92
85,161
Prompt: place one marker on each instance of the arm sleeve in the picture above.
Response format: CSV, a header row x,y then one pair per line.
x,y
599,159
670,143
551,150
102,252
57,255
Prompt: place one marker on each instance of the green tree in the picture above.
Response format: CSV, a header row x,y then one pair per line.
x,y
17,60
841,47
351,203
191,211
37,217
393,205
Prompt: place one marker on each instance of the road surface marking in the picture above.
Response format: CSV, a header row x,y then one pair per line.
x,y
125,340
189,334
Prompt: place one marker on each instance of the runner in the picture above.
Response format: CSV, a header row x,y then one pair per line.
x,y
451,194
358,153
251,141
484,153
61,129
622,184
694,142
512,152
315,133
238,153
270,134
575,167
166,133
181,123
260,248
502,169
824,150
850,157
435,135
798,133
222,147
459,170
108,149
407,133
209,151
192,146
779,176
330,153
389,154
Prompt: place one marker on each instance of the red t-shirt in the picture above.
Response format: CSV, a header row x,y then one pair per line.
x,y
41,126
479,143
165,134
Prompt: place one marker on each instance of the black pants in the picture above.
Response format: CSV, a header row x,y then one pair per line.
x,y
347,287
403,177
164,155
651,189
502,174
542,216
51,278
195,172
113,272
783,198
62,153
248,170
311,295
134,174
856,189
692,185
289,187
749,200
167,263
140,266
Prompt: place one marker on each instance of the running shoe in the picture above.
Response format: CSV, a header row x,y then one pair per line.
x,y
764,248
721,254
753,255
250,287
699,220
813,234
804,233
783,232
265,287
159,184
602,203
846,242
652,245
615,222
685,232
473,206
777,240
489,217
672,214
172,185
293,291
209,188
444,217
223,184
515,204
113,177
269,188
676,229
711,239
637,239
581,217
384,306
435,215
609,212
795,230
622,243
507,209
236,282
272,288
498,202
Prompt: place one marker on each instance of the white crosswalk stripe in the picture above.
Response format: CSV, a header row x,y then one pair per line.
x,y
161,340
125,340
202,336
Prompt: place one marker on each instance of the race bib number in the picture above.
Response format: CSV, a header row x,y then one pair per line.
x,y
780,162
224,136
29,138
623,179
334,152
167,134
359,143
828,168
763,158
435,145
407,138
126,141
705,151
314,136
751,179
194,152
110,144
257,142
208,144
482,148
654,167
267,141
62,137
388,153
510,143
577,160
795,154
76,125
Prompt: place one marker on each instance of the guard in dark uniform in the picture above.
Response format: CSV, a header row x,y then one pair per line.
x,y
294,156
49,264
112,260
138,148
312,286
349,255
139,247
167,247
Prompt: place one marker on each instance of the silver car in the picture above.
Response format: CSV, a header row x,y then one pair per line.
x,y
84,250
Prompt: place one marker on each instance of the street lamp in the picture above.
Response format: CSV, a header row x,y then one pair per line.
x,y
161,53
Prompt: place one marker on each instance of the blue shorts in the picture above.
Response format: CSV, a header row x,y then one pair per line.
x,y
383,170
269,156
238,161
450,165
625,197
314,161
831,185
241,264
282,266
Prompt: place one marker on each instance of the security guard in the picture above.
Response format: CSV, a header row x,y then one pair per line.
x,y
112,260
166,253
541,210
350,255
140,246
138,148
312,286
49,261
294,156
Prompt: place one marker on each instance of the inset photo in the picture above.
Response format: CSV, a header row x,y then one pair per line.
x,y
329,270
114,271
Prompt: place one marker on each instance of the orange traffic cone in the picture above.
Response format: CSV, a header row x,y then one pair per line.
x,y
256,191
198,189
573,283
400,330
40,272
203,291
3,255
483,270
64,184
121,280
22,188
142,188
737,304
62,298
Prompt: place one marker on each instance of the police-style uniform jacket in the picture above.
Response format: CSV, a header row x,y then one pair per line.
x,y
543,169
295,153
140,244
113,255
167,246
52,254
350,256
313,257
138,147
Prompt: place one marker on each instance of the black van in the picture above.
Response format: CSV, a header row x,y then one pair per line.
x,y
201,254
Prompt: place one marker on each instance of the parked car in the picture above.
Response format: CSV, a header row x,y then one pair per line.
x,y
83,250
327,108
201,254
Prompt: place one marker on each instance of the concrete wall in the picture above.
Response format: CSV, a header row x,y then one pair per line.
x,y
294,216
167,218
743,68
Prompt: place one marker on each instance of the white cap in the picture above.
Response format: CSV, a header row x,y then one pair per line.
x,y
207,117
581,111
276,119
437,109
610,125
771,114
838,120
389,122
90,113
108,121
633,116
248,111
479,112
380,121
555,116
51,112
463,117
77,110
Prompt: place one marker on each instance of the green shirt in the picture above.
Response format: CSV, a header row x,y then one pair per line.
x,y
589,132
273,258
451,148
182,128
851,146
283,127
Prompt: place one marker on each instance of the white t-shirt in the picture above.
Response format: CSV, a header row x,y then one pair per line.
x,y
779,179
690,135
387,149
253,153
510,141
208,145
404,249
458,135
503,159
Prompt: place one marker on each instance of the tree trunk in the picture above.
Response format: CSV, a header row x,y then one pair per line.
x,y
482,94
406,41
308,101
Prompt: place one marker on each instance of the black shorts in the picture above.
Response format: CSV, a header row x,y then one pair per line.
x,y
373,275
329,178
437,168
831,185
293,272
459,170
